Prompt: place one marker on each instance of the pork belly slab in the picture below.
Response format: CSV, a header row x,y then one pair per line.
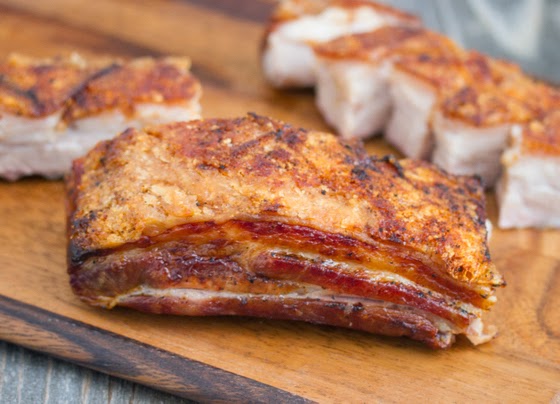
x,y
53,111
529,190
295,25
255,217
353,75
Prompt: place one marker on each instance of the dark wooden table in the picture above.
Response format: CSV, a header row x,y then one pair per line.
x,y
43,27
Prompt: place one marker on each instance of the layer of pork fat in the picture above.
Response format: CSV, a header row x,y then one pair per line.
x,y
464,149
353,96
409,128
528,191
288,59
17,130
53,156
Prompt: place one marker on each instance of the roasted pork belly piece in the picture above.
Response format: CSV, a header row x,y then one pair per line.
x,y
353,75
254,217
417,86
459,111
288,59
471,127
52,111
529,190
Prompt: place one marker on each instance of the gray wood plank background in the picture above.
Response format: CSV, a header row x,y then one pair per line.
x,y
29,377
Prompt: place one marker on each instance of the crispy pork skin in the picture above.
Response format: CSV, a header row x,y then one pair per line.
x,y
288,59
52,111
353,97
255,217
409,127
529,191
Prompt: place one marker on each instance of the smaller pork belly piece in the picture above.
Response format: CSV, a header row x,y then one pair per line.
x,y
417,85
353,75
288,59
529,190
254,217
472,126
52,111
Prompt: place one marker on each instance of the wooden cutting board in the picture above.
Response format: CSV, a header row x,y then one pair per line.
x,y
240,359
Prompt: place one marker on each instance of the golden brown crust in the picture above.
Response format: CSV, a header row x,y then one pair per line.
x,y
390,41
254,168
447,73
484,107
77,88
542,137
146,80
501,94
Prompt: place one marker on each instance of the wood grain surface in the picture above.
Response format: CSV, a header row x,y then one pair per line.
x,y
32,377
239,358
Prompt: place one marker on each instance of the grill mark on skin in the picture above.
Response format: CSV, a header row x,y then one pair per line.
x,y
30,95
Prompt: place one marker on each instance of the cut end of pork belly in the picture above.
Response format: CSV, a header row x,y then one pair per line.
x,y
471,126
418,85
409,128
353,79
288,59
227,217
55,110
528,192
465,149
353,97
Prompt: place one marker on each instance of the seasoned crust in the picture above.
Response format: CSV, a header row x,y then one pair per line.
x,y
390,41
77,88
144,183
499,93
